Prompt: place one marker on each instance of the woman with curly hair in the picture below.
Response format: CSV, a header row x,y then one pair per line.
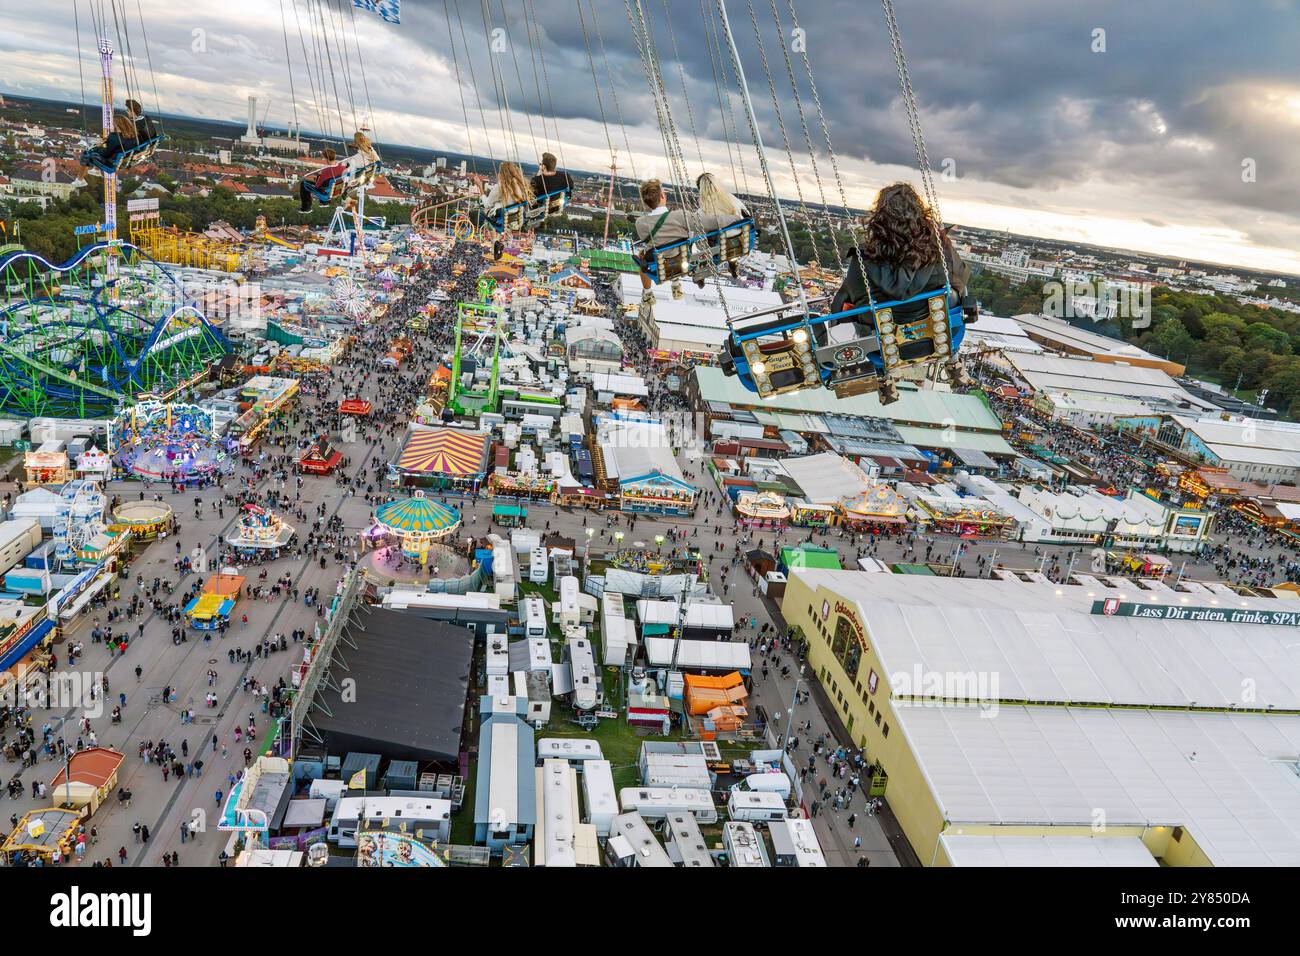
x,y
901,255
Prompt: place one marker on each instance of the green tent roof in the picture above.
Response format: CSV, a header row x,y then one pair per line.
x,y
809,557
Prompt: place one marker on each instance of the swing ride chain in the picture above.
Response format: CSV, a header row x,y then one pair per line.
x,y
681,73
776,106
613,88
739,71
918,139
600,100
698,258
728,132
672,143
807,136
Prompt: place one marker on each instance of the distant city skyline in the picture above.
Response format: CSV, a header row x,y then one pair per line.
x,y
1180,139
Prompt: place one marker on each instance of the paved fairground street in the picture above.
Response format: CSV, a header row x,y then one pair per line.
x,y
381,486
329,514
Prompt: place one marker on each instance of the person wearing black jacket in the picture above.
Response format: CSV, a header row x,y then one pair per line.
x,y
900,254
548,180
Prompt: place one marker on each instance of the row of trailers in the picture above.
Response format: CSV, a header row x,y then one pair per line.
x,y
566,837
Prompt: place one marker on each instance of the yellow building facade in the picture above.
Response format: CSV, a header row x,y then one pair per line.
x,y
844,657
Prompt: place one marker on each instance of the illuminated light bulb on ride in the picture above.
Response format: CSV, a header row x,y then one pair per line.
x,y
800,336
759,368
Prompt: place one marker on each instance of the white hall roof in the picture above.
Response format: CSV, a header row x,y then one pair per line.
x,y
1229,777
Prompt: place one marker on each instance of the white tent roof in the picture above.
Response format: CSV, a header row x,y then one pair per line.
x,y
700,655
715,616
1000,850
1229,778
1048,646
827,478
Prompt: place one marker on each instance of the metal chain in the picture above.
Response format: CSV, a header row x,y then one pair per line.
x,y
826,130
681,74
918,138
613,88
600,100
739,71
499,84
668,130
519,77
460,87
546,80
780,120
807,137
728,133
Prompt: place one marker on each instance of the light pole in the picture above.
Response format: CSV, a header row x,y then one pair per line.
x,y
659,543
794,699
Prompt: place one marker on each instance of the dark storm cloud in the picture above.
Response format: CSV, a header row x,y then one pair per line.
x,y
1012,92
1190,117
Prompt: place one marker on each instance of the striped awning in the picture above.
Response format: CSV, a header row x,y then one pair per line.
x,y
418,515
445,451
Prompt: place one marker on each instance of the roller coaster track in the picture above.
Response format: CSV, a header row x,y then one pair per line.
x,y
132,345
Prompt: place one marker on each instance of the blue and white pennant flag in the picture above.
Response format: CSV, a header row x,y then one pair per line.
x,y
390,10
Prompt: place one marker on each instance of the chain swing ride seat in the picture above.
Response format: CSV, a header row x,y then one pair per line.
x,y
137,155
344,184
858,350
529,215
686,257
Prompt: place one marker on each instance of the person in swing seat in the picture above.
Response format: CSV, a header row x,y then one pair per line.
x,y
902,255
714,200
144,126
363,155
661,226
511,189
120,140
548,180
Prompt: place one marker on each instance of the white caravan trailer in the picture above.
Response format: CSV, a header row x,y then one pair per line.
x,y
756,807
744,845
538,569
599,796
583,664
656,803
534,618
795,844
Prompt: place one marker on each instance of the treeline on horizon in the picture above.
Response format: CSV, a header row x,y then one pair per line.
x,y
1242,347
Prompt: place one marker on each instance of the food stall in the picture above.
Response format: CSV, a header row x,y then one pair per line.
x,y
47,465
355,406
88,780
207,612
321,458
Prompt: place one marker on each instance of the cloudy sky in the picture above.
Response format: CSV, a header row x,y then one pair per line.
x,y
1169,125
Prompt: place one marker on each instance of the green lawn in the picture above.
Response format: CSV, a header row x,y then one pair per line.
x,y
462,821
